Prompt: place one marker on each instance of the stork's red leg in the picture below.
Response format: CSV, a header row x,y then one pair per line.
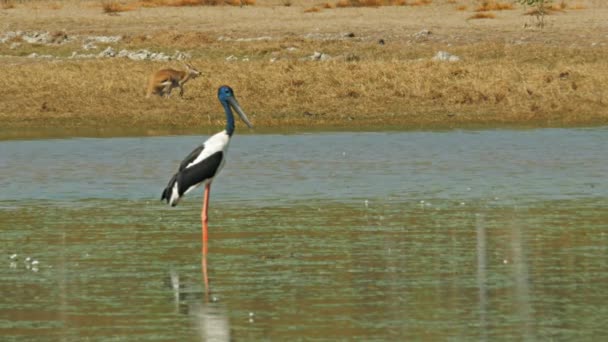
x,y
205,216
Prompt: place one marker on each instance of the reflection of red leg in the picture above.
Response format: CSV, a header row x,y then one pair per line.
x,y
205,278
204,220
204,214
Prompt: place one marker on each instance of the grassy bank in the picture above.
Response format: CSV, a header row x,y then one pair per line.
x,y
502,79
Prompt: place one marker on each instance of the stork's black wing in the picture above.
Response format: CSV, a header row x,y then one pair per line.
x,y
191,157
194,175
199,172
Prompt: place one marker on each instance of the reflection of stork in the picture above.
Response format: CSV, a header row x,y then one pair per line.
x,y
209,319
205,162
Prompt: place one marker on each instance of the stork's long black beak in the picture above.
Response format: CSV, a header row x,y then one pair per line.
x,y
235,105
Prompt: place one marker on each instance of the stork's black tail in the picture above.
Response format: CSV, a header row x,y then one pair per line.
x,y
166,195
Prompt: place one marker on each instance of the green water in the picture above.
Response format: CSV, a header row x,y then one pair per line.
x,y
494,235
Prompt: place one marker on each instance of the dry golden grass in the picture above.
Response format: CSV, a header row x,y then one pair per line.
x,y
461,8
498,85
491,5
483,15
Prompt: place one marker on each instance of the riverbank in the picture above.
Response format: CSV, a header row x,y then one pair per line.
x,y
373,67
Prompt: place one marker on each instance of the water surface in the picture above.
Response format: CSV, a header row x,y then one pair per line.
x,y
478,235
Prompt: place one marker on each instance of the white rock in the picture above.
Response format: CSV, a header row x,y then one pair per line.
x,y
319,56
103,39
444,56
89,46
35,55
108,52
422,34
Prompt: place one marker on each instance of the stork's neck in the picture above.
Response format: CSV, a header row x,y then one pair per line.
x,y
229,118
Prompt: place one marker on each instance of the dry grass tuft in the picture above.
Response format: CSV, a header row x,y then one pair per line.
x,y
312,10
461,8
192,3
55,5
561,6
7,4
371,3
343,3
536,12
359,3
578,6
491,5
184,3
112,7
483,15
329,5
421,3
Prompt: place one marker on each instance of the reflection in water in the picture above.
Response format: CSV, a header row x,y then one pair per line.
x,y
211,322
480,230
209,319
522,281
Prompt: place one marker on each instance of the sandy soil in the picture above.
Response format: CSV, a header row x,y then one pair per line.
x,y
270,18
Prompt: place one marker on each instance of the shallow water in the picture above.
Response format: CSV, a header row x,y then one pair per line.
x,y
477,235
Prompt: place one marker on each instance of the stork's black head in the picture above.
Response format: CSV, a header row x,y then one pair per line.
x,y
226,96
224,92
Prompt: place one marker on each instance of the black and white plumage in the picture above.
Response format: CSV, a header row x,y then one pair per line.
x,y
205,161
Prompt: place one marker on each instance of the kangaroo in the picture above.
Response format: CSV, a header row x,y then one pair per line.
x,y
164,80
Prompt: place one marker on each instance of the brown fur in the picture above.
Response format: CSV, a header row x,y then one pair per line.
x,y
163,81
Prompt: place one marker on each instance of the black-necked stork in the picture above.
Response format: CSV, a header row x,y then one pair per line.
x,y
206,161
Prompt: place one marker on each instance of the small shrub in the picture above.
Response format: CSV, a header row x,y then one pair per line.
x,y
540,9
